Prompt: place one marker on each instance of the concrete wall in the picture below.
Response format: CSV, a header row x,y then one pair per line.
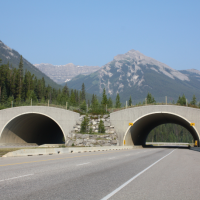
x,y
157,114
12,117
51,151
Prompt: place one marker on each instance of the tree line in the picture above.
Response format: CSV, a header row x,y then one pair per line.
x,y
170,133
19,86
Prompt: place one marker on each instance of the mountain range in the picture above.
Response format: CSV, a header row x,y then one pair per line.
x,y
134,74
64,73
13,57
130,74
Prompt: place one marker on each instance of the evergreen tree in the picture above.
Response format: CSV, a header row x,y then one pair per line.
x,y
194,100
4,95
83,106
83,92
66,90
150,99
72,98
85,125
101,128
117,101
2,78
110,103
130,102
104,98
92,101
94,104
181,100
20,77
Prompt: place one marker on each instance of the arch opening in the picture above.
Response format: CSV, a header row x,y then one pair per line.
x,y
32,128
169,133
138,133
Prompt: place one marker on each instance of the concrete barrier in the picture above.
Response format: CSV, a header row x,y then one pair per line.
x,y
53,151
168,143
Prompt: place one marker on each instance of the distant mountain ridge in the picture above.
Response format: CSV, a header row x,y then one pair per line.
x,y
64,73
13,57
134,74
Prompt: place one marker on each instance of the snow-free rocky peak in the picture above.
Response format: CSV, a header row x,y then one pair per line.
x,y
134,74
138,58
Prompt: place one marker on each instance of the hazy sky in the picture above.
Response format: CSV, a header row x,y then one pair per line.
x,y
92,32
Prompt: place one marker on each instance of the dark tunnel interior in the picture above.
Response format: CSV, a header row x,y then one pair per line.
x,y
141,128
32,128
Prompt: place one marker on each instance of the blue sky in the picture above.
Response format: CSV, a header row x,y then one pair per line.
x,y
92,32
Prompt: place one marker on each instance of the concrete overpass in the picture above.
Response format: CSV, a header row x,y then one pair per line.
x,y
49,125
36,124
146,118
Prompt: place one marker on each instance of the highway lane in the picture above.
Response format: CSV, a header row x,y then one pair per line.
x,y
93,175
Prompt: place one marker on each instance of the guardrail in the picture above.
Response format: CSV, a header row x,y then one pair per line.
x,y
169,143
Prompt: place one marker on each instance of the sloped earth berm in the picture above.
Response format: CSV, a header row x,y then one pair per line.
x,y
109,138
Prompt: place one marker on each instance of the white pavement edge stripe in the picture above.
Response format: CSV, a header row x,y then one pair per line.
x,y
16,177
126,183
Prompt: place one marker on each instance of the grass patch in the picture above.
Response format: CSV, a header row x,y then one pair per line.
x,y
4,151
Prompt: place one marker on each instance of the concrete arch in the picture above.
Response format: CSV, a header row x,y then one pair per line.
x,y
137,134
35,120
32,127
155,115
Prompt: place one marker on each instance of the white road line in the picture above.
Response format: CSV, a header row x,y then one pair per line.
x,y
83,164
16,177
130,180
111,158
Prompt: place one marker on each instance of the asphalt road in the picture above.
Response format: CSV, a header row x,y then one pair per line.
x,y
153,173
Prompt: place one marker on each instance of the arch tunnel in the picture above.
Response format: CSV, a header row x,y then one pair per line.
x,y
32,128
138,133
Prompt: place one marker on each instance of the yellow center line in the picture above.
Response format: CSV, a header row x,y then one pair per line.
x,y
55,159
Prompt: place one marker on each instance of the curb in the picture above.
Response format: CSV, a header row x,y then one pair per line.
x,y
55,151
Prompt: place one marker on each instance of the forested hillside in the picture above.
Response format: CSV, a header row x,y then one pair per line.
x,y
17,85
170,133
13,57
